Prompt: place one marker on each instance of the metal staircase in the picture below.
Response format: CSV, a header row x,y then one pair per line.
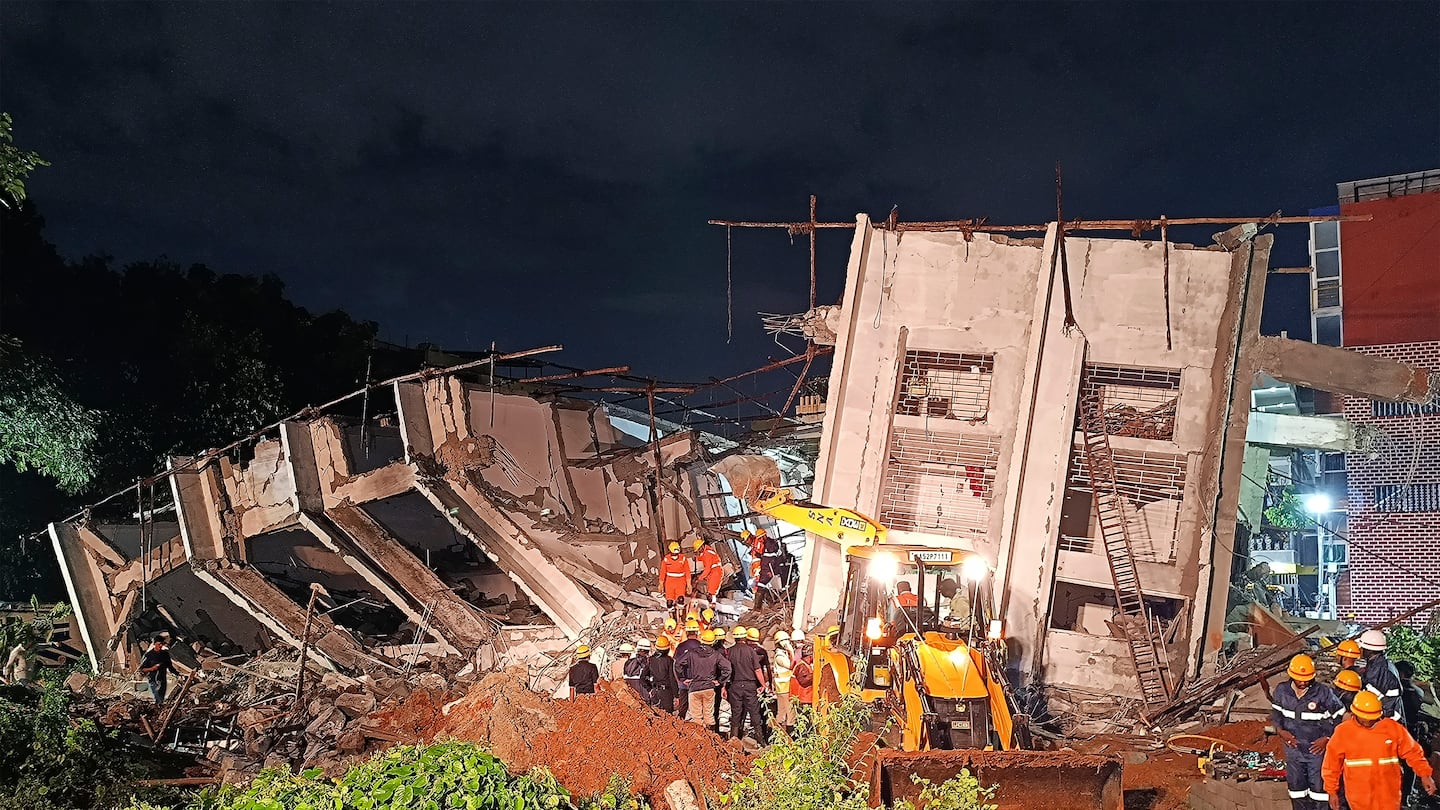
x,y
1115,533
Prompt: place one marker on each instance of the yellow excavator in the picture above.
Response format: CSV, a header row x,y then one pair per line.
x,y
916,641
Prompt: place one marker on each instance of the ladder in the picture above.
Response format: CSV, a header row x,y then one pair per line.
x,y
1115,533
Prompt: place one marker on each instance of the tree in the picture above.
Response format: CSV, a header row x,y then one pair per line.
x,y
41,427
15,166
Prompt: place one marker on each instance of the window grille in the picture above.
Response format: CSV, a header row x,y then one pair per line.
x,y
1407,498
945,385
1138,402
939,483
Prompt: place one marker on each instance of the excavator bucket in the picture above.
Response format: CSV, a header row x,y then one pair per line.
x,y
1023,780
748,474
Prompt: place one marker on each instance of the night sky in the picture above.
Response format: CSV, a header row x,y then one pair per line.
x,y
542,173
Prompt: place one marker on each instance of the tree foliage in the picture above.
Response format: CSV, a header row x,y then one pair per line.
x,y
15,165
41,427
1421,648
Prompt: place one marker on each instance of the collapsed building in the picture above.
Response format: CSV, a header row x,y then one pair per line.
x,y
467,510
1073,409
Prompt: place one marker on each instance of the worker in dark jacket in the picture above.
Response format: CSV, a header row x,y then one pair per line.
x,y
155,665
748,677
636,670
700,670
691,643
1380,676
1305,714
662,676
583,674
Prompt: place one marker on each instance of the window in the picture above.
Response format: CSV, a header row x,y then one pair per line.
x,y
1137,402
1407,498
1327,293
1327,330
1378,408
1326,235
945,386
939,483
1336,553
1327,265
1151,486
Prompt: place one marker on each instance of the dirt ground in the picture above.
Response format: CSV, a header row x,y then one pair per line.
x,y
582,741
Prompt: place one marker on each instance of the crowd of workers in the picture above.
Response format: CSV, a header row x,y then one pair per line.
x,y
691,669
702,573
1357,742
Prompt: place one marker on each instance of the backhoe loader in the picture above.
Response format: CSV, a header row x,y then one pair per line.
x,y
915,640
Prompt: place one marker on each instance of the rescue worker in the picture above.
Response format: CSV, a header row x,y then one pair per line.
x,y
722,645
1364,756
583,673
905,595
772,563
700,670
1410,700
1347,684
663,685
961,614
747,676
155,665
1348,652
17,664
617,667
674,576
710,569
1380,676
1305,714
784,670
672,632
802,680
637,669
690,644
707,620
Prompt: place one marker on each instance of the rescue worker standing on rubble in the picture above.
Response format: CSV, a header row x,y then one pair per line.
x,y
747,677
662,676
637,669
784,668
1304,714
1348,653
701,669
583,673
802,680
1364,756
710,570
674,576
1380,676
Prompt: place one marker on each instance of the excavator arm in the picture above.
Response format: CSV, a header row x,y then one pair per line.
x,y
846,527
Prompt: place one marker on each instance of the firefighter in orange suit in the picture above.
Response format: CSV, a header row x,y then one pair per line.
x,y
710,571
674,575
1364,755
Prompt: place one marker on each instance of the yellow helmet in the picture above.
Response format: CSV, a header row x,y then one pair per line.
x,y
1366,706
670,624
832,630
582,651
782,635
699,543
674,547
662,643
708,636
707,614
1348,680
745,535
1349,648
752,633
692,626
1302,668
737,632
691,614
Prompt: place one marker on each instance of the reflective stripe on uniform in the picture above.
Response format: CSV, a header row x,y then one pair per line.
x,y
674,573
1355,763
1283,711
1319,797
1315,715
1390,761
1299,794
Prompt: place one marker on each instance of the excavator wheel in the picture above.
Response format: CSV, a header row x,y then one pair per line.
x,y
1023,780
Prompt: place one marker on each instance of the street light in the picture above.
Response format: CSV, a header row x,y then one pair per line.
x,y
1317,503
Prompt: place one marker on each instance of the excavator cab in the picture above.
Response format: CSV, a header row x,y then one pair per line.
x,y
915,636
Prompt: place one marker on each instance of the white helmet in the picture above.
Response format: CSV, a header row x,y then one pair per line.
x,y
643,644
627,647
797,636
1372,640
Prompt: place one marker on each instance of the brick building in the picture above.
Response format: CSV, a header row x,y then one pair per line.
x,y
1376,290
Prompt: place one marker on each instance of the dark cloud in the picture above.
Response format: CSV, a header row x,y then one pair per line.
x,y
542,172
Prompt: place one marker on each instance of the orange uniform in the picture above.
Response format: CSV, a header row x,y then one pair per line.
x,y
1368,759
674,577
710,571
